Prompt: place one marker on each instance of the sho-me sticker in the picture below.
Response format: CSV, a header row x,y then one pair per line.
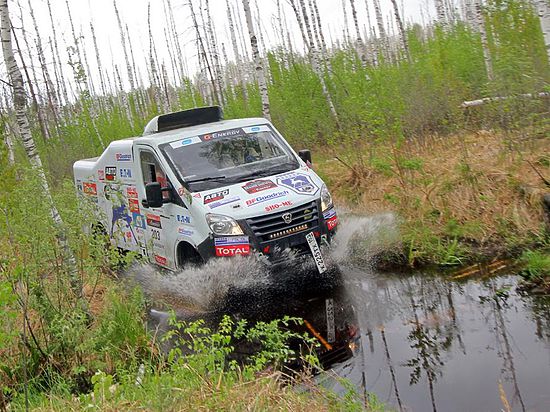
x,y
258,185
265,198
276,206
186,141
299,183
231,246
154,221
224,202
212,197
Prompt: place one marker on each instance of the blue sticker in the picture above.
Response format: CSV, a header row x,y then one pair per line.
x,y
125,173
299,183
183,219
255,129
329,213
224,202
138,220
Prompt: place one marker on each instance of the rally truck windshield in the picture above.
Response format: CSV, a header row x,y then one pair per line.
x,y
213,160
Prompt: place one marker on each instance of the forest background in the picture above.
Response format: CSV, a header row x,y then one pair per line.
x,y
444,123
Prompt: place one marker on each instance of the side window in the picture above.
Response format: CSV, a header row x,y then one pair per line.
x,y
152,171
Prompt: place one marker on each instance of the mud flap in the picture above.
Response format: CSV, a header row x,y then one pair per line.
x,y
316,252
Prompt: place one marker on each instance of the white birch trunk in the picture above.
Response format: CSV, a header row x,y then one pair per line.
x,y
260,75
20,102
124,50
441,13
346,29
480,23
61,84
215,55
543,10
401,28
360,44
381,28
238,61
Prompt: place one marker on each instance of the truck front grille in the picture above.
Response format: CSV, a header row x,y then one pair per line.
x,y
273,226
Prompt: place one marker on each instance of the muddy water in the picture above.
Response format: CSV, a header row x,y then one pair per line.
x,y
428,343
434,344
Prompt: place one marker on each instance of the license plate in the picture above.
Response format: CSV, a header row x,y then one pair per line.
x,y
331,329
316,252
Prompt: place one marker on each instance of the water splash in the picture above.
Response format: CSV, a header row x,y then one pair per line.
x,y
360,238
201,288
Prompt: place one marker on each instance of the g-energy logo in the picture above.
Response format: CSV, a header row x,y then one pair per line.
x,y
223,133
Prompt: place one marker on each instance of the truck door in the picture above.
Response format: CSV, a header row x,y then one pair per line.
x,y
159,227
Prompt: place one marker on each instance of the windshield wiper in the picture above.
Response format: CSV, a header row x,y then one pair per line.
x,y
205,179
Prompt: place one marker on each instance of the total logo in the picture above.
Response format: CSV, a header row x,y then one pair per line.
x,y
232,246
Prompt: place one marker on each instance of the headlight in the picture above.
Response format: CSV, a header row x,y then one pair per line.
x,y
223,225
326,199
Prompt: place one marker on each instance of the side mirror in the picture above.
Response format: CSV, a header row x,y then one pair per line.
x,y
153,194
305,155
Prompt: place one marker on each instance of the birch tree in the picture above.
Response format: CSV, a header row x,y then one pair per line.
x,y
543,10
124,49
480,23
238,62
360,44
260,75
401,28
20,105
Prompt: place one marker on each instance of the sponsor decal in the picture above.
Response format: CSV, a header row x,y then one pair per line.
x,y
161,260
331,218
279,205
327,214
138,220
316,252
154,221
223,133
110,173
332,222
101,174
125,173
197,195
89,188
131,192
181,191
123,157
213,197
185,231
256,129
224,202
299,183
265,198
185,142
133,205
183,219
231,246
258,185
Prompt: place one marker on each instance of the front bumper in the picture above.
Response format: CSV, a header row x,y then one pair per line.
x,y
272,236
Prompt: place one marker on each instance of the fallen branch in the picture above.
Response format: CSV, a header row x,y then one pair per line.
x,y
485,100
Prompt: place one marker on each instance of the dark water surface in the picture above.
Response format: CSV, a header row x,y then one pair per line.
x,y
433,344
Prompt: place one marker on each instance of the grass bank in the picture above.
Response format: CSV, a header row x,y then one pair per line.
x,y
460,198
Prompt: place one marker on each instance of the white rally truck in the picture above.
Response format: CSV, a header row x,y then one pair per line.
x,y
196,187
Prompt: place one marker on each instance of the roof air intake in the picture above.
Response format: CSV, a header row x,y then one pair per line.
x,y
185,118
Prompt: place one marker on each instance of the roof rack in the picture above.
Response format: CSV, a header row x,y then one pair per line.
x,y
185,118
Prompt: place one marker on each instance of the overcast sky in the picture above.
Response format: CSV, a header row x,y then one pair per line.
x,y
134,14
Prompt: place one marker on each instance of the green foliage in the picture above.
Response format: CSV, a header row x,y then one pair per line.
x,y
536,265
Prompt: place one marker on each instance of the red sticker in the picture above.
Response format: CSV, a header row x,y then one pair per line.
x,y
154,221
332,222
161,260
258,185
132,193
233,250
90,189
101,174
133,205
